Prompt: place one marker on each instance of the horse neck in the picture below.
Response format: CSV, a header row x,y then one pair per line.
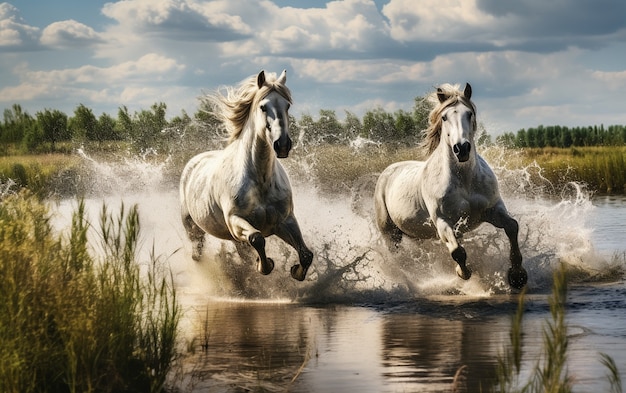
x,y
260,158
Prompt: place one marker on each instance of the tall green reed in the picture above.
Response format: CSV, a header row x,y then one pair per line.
x,y
550,374
76,320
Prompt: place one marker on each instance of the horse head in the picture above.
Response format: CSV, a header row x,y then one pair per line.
x,y
273,110
458,121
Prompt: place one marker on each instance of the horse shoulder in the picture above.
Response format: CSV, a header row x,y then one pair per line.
x,y
485,182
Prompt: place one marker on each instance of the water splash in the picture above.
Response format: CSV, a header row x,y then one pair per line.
x,y
351,263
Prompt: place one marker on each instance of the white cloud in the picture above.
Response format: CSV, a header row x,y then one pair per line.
x,y
148,68
69,34
142,81
436,20
176,19
14,32
612,80
340,27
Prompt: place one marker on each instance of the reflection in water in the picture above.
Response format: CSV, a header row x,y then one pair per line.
x,y
252,346
424,353
417,346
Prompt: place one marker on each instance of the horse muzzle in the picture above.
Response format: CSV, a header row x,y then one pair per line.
x,y
282,147
462,151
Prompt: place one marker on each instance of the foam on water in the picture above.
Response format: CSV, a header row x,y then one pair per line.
x,y
351,264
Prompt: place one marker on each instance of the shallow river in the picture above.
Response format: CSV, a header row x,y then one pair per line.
x,y
367,321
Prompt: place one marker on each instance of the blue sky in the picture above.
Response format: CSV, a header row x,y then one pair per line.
x,y
530,62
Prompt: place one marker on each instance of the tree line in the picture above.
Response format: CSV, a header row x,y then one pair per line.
x,y
49,129
561,136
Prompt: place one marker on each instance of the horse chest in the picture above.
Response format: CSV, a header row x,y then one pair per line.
x,y
262,207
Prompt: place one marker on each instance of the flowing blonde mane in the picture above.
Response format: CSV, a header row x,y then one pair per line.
x,y
234,104
432,134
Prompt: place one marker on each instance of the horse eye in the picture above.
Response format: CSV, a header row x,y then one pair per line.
x,y
263,108
444,117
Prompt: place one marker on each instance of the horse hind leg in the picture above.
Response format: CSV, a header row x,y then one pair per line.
x,y
392,235
196,235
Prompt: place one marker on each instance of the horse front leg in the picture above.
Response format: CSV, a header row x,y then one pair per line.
x,y
500,218
447,236
243,231
289,232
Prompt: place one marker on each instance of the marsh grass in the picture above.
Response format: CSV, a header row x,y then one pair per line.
x,y
602,168
43,174
550,374
72,321
338,167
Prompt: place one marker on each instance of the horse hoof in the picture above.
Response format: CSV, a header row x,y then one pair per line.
x,y
298,272
518,277
270,267
464,273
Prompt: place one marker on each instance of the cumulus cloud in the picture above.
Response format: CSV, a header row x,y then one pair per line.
x,y
151,75
338,29
177,19
148,68
14,32
69,34
436,20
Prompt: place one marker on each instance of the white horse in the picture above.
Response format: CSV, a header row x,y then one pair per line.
x,y
452,192
242,193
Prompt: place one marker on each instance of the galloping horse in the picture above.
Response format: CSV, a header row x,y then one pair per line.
x,y
242,193
453,191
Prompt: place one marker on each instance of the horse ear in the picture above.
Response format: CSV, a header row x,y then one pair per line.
x,y
440,95
468,91
282,78
260,79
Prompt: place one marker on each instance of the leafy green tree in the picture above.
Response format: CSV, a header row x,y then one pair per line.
x,y
378,125
421,110
521,140
33,138
107,128
53,126
328,127
566,137
124,126
16,123
83,124
352,126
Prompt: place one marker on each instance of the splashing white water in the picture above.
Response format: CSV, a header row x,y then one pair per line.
x,y
351,264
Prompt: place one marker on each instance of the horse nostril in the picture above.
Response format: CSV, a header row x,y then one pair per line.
x,y
462,151
456,148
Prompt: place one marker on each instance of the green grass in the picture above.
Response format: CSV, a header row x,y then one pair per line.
x,y
43,174
75,321
602,168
